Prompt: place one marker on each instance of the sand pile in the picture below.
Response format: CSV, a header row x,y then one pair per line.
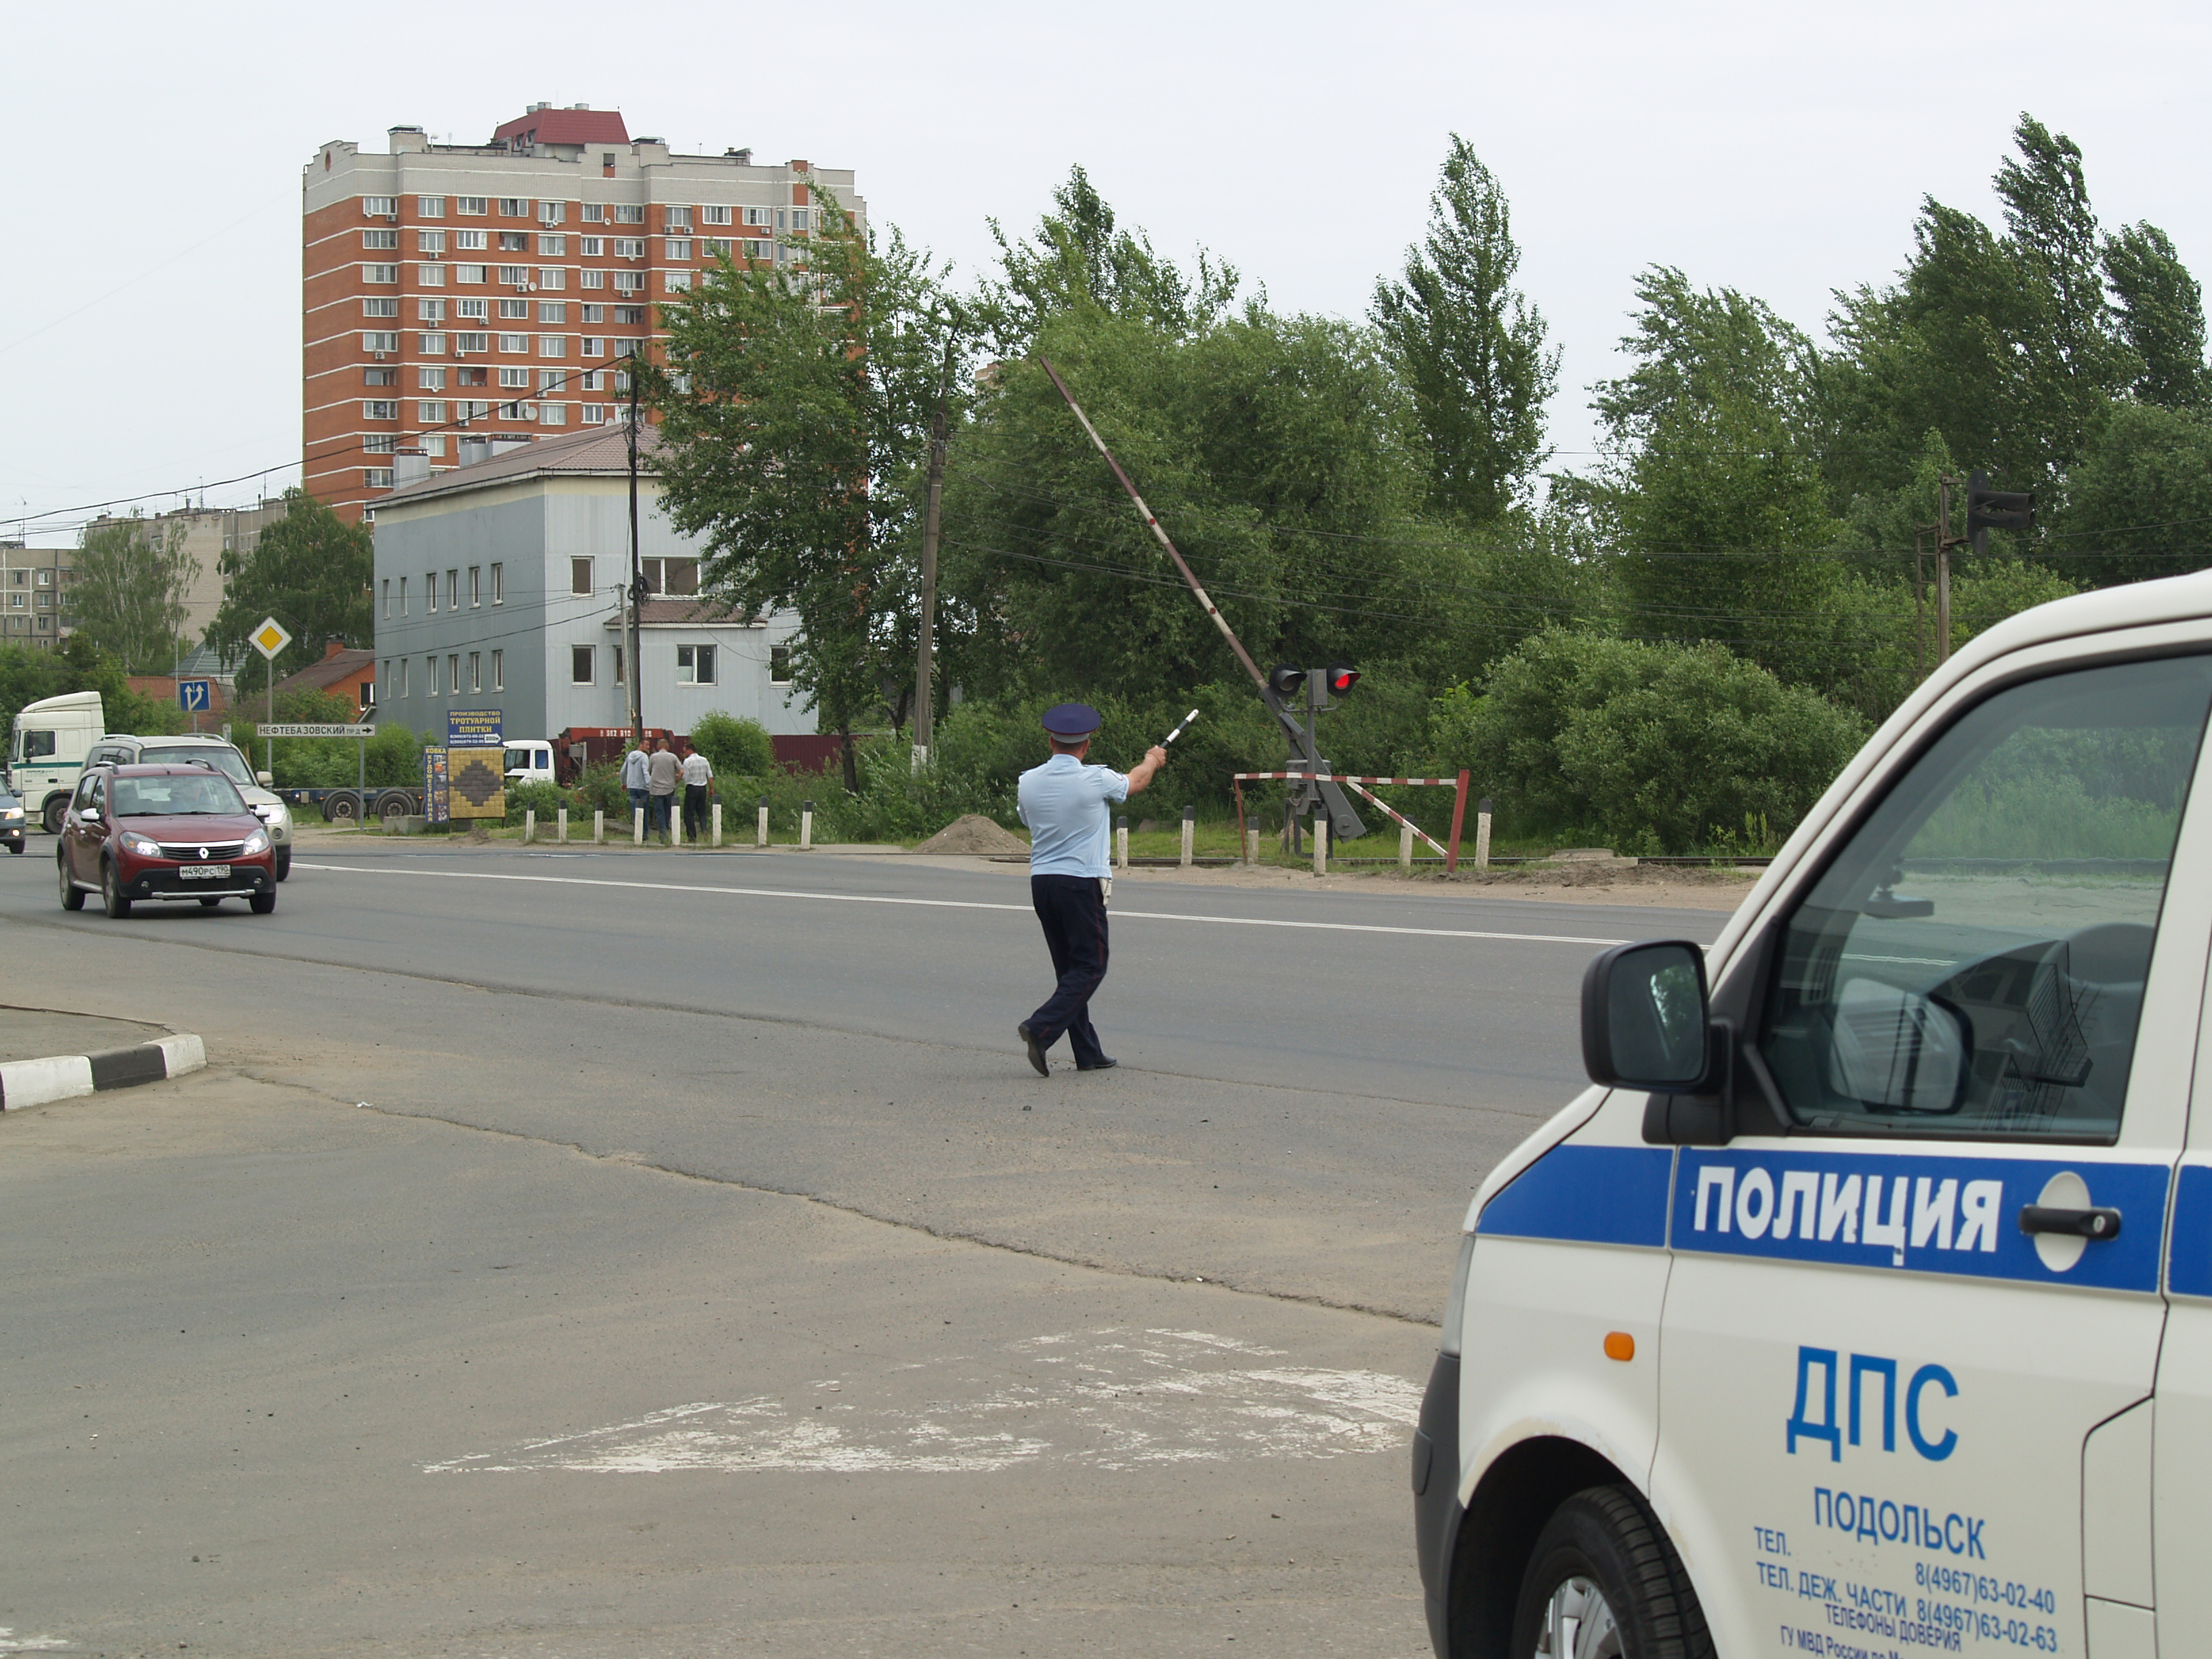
x,y
973,833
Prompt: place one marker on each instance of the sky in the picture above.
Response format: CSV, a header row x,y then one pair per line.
x,y
149,298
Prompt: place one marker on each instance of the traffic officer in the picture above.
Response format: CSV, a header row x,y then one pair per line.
x,y
1066,806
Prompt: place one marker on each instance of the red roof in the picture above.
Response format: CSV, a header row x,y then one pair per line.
x,y
565,127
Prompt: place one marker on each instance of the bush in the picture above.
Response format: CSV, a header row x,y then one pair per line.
x,y
545,800
1652,749
738,748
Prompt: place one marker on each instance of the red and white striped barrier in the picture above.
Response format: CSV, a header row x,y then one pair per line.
x,y
1458,785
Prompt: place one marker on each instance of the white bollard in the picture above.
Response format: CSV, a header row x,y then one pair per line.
x,y
1405,846
760,832
561,831
1122,842
599,825
529,825
676,820
805,826
637,826
1482,834
718,824
1251,847
1190,833
1320,844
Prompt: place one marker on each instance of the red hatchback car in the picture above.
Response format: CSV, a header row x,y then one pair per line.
x,y
163,832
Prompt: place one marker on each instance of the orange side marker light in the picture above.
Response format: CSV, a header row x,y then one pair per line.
x,y
1619,1345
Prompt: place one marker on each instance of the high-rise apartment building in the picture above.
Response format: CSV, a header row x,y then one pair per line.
x,y
494,288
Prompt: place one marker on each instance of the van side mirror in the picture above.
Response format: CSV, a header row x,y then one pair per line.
x,y
1646,1018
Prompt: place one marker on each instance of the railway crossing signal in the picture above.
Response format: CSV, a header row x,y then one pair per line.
x,y
1988,509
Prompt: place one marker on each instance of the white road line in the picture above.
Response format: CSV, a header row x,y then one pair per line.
x,y
956,904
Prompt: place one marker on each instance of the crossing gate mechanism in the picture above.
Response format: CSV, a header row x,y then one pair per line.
x,y
1457,785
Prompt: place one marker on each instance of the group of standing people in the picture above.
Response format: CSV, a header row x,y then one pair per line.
x,y
652,773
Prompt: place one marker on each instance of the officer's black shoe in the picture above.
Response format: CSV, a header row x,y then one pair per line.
x,y
1036,1048
1104,1063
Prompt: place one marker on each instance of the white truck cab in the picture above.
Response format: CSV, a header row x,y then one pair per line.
x,y
1855,1306
530,760
47,748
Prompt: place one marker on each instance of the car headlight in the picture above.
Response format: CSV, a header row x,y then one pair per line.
x,y
12,812
256,842
132,842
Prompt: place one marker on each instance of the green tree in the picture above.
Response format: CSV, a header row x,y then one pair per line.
x,y
311,571
736,748
2139,503
1469,346
2162,315
78,664
798,409
131,579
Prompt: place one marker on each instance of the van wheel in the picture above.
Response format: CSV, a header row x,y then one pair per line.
x,y
57,812
1603,1583
111,893
72,895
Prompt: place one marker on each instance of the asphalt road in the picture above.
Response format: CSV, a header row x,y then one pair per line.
x,y
659,1253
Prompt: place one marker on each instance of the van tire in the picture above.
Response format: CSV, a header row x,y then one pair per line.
x,y
1602,1549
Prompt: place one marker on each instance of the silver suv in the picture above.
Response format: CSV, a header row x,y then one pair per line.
x,y
187,749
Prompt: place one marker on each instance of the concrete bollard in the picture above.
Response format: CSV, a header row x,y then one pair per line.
x,y
718,824
1190,833
760,833
1482,834
637,826
598,826
1405,846
805,826
1251,847
1320,843
529,825
1122,841
675,820
561,827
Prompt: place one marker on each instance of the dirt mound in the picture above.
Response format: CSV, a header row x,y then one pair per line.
x,y
973,833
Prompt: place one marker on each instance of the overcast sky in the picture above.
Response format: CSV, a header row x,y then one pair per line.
x,y
150,328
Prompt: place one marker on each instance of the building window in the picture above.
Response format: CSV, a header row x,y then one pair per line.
x,y
676,218
515,310
469,206
430,591
403,598
433,443
633,315
380,408
695,665
552,310
677,247
591,279
630,282
432,312
549,213
431,411
552,414
430,206
498,671
757,215
376,478
517,344
476,585
469,242
403,675
552,278
472,310
779,664
581,670
380,274
594,313
430,275
475,670
591,246
514,377
465,342
499,584
756,249
714,247
373,240
513,207
387,610
594,214
629,213
381,443
594,413
552,345
513,241
552,247
431,380
379,307
453,590
430,241
380,207
618,664
514,275
453,671
468,274
379,377
594,346
580,576
713,216
675,281
629,247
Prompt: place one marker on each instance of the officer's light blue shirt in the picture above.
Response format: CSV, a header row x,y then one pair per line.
x,y
1064,803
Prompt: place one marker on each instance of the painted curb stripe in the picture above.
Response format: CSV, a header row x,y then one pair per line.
x,y
64,1076
956,904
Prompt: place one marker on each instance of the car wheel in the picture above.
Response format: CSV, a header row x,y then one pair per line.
x,y
72,895
209,903
1604,1582
57,811
111,892
263,903
284,862
16,847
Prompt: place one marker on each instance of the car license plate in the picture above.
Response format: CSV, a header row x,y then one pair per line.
x,y
205,873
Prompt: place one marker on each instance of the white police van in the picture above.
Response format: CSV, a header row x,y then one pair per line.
x,y
1864,1307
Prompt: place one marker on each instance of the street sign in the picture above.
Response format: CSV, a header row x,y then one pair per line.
x,y
196,697
320,731
270,638
476,763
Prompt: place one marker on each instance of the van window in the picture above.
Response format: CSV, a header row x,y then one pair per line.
x,y
1973,962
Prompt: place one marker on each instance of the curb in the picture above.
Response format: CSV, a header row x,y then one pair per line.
x,y
64,1076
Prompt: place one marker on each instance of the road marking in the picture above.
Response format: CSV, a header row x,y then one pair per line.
x,y
1110,1399
953,904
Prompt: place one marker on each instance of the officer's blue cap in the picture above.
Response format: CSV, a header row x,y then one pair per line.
x,y
1070,720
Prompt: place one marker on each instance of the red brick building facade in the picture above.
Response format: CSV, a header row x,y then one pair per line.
x,y
495,289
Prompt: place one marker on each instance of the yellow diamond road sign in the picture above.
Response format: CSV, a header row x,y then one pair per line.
x,y
270,638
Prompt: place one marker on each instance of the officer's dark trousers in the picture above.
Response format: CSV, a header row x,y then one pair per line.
x,y
1073,911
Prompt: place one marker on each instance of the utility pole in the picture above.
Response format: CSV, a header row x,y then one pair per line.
x,y
1943,545
924,720
634,590
1919,607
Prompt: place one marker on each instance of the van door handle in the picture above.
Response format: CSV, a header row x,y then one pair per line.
x,y
2096,1223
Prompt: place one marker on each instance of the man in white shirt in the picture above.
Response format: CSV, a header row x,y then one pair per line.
x,y
1066,804
698,774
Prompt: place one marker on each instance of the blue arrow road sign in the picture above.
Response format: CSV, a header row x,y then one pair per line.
x,y
193,696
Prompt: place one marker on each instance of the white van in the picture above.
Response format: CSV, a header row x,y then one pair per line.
x,y
47,749
1864,1307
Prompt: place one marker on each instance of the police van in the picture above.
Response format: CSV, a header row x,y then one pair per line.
x,y
1864,1307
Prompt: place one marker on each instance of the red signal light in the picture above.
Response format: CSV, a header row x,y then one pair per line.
x,y
1342,676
